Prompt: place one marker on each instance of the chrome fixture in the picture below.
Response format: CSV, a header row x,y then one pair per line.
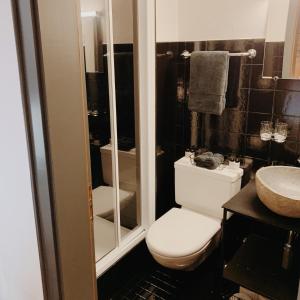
x,y
168,53
287,254
251,53
93,113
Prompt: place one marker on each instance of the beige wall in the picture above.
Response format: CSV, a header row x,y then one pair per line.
x,y
277,20
20,272
67,130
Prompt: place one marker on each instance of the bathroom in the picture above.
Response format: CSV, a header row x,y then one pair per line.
x,y
179,177
257,91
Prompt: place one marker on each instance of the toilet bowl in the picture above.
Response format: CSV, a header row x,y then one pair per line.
x,y
184,237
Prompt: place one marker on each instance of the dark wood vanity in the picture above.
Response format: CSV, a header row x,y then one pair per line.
x,y
256,265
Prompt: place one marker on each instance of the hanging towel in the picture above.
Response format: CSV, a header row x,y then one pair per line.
x,y
233,91
208,81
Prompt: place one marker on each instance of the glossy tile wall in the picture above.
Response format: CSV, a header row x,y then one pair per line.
x,y
250,100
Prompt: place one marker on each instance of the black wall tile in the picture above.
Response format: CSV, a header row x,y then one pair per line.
x,y
257,81
251,99
261,101
287,103
242,100
245,76
234,121
214,122
259,46
254,120
255,147
273,58
287,152
288,84
293,125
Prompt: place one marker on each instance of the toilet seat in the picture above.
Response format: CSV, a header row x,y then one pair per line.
x,y
103,200
181,233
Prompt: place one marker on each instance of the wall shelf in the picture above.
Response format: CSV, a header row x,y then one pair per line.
x,y
256,265
246,203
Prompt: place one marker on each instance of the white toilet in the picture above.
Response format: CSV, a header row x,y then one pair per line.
x,y
183,237
103,196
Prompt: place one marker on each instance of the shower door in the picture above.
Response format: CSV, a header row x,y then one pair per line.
x,y
110,47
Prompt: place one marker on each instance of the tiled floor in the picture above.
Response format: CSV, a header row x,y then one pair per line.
x,y
159,283
156,285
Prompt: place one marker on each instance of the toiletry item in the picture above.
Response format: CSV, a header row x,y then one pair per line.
x,y
188,152
234,165
234,162
208,81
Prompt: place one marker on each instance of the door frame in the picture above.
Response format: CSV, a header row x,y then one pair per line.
x,y
65,275
28,32
26,29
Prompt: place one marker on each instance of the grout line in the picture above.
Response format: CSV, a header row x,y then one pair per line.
x,y
165,282
158,287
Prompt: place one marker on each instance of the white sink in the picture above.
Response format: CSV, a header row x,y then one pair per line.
x,y
278,187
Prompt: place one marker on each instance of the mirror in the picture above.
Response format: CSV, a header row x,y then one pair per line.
x,y
126,114
93,22
282,47
112,118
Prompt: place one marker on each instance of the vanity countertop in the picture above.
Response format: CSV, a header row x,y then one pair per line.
x,y
247,203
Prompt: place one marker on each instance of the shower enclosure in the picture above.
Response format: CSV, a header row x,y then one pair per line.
x,y
112,62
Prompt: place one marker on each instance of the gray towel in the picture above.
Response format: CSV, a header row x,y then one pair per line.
x,y
208,160
208,81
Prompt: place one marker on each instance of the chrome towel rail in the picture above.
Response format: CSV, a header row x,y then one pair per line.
x,y
251,53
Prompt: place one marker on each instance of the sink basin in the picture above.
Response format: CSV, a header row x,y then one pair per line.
x,y
278,187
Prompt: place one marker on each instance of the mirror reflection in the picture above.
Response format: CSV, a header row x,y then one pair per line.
x,y
107,192
282,47
104,191
126,111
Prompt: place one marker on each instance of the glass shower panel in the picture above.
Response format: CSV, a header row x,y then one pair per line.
x,y
95,40
127,114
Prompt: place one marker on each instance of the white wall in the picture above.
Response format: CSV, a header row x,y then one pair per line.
x,y
20,275
277,20
167,23
196,20
122,18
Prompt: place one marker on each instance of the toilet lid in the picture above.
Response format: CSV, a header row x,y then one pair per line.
x,y
181,232
103,200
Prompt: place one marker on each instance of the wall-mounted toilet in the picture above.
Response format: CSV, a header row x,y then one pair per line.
x,y
103,196
183,237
